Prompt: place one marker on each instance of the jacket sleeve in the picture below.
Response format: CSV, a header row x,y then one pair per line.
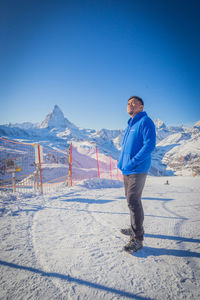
x,y
149,142
119,164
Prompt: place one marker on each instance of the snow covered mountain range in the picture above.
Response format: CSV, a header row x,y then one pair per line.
x,y
177,151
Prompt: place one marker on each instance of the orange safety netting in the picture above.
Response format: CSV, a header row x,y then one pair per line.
x,y
25,166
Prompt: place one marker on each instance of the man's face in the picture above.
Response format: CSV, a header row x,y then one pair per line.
x,y
134,106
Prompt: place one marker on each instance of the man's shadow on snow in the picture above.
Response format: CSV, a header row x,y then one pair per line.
x,y
150,251
178,239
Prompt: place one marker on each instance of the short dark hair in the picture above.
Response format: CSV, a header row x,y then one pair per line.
x,y
138,98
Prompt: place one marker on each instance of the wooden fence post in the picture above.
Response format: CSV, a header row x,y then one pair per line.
x,y
40,168
97,163
70,163
110,167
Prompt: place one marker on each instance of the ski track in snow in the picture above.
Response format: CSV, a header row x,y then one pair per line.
x,y
67,245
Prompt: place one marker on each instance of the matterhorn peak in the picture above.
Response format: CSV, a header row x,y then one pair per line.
x,y
159,123
55,119
57,108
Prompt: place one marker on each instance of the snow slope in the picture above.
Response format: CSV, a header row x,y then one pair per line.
x,y
180,152
67,245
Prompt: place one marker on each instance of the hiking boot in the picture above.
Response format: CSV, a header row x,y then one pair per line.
x,y
133,245
126,231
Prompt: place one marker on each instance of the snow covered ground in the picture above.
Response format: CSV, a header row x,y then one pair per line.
x,y
67,244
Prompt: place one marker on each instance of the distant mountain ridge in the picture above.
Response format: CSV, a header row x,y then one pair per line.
x,y
177,150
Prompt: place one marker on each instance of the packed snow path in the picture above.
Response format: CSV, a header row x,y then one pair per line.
x,y
67,245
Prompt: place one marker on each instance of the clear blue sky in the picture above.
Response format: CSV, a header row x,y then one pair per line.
x,y
89,57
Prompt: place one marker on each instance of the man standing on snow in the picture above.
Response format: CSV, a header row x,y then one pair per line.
x,y
134,162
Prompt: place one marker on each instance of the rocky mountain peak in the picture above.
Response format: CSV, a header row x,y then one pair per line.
x,y
159,124
56,119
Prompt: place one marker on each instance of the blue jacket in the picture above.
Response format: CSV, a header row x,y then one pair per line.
x,y
138,143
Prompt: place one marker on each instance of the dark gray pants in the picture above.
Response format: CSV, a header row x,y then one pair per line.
x,y
134,185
